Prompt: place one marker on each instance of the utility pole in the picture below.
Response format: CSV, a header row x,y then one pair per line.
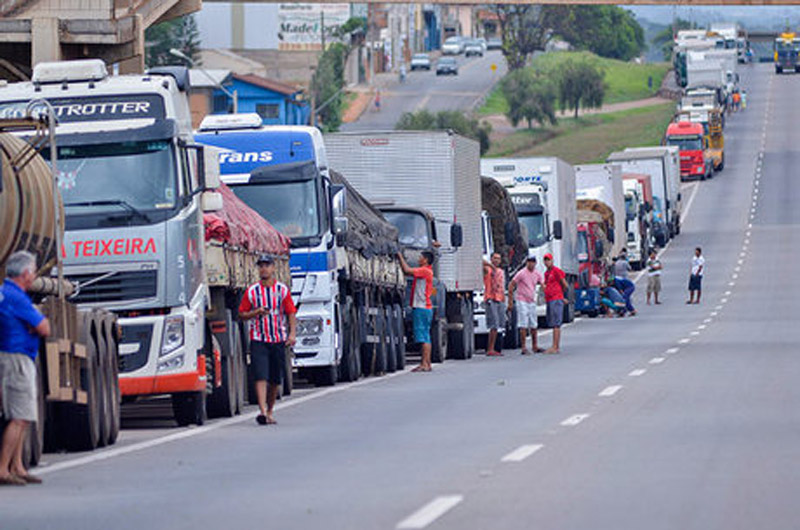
x,y
322,27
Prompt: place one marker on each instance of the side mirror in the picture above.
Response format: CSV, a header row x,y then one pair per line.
x,y
508,233
598,249
211,201
338,200
456,235
210,178
340,226
558,230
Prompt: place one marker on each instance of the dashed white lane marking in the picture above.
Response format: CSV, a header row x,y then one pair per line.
x,y
718,307
610,390
694,333
431,512
521,453
638,372
702,326
574,420
724,300
657,360
708,320
741,261
191,432
727,293
684,341
673,350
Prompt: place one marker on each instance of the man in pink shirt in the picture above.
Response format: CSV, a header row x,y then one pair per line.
x,y
525,283
494,297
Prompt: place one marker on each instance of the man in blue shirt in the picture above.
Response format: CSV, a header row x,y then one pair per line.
x,y
21,325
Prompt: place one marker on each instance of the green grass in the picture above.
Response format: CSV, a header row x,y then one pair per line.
x,y
591,138
626,81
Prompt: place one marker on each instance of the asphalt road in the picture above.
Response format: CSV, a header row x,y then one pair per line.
x,y
684,417
426,90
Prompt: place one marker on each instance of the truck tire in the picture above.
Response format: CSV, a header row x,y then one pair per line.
x,y
240,369
34,442
112,377
457,343
189,408
103,387
391,342
511,334
381,357
221,402
721,165
349,367
81,422
400,334
439,340
366,350
288,380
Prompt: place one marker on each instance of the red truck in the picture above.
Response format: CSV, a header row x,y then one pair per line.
x,y
689,138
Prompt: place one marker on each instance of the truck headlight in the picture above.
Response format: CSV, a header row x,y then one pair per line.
x,y
172,338
309,326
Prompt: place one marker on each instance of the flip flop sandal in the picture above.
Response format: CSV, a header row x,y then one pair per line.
x,y
29,479
271,422
261,419
11,480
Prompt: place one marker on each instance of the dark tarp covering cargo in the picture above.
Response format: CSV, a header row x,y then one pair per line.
x,y
496,201
368,231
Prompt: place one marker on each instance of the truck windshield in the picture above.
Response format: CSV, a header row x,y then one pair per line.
x,y
412,228
686,143
105,184
536,227
630,207
291,207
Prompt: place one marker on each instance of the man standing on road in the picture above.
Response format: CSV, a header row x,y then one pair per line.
x,y
654,268
696,277
421,306
268,305
621,281
621,265
555,285
21,325
494,297
525,283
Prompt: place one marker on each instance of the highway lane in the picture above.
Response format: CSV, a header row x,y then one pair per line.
x,y
702,436
426,90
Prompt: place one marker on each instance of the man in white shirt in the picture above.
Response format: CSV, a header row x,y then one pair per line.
x,y
696,277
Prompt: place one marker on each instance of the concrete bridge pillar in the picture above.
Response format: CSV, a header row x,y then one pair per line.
x,y
45,41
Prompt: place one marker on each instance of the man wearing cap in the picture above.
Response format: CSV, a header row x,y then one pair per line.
x,y
555,285
269,307
494,280
525,283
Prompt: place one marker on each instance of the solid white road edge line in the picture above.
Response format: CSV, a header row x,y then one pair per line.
x,y
196,431
610,391
521,453
430,512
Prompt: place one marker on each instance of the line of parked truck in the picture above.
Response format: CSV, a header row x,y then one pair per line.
x,y
156,228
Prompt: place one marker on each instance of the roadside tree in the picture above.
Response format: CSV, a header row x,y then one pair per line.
x,y
608,31
454,120
524,30
581,84
180,33
531,97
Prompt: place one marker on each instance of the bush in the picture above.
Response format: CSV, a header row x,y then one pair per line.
x,y
531,97
447,120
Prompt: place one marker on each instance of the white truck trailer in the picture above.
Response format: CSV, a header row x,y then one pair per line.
x,y
663,165
543,192
602,183
427,184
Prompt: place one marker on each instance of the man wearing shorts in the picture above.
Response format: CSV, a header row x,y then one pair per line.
x,y
555,285
421,306
494,280
21,325
525,283
654,268
696,276
269,307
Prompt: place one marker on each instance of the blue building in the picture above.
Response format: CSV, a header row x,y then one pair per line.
x,y
277,103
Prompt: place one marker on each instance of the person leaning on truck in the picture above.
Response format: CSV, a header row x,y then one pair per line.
x,y
494,280
555,285
269,307
421,307
525,283
21,325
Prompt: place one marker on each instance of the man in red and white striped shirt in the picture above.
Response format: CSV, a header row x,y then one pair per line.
x,y
269,307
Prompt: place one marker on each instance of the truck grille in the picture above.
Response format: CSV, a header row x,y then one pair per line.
x,y
137,336
125,285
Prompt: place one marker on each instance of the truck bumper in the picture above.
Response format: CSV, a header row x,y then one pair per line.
x,y
316,349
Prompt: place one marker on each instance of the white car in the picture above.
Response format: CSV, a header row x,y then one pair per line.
x,y
420,61
453,46
473,47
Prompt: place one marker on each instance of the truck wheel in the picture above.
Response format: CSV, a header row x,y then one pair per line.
x,y
288,380
365,349
189,408
400,334
239,369
81,422
439,340
511,335
104,392
458,346
114,396
349,366
324,375
381,365
389,334
721,165
221,402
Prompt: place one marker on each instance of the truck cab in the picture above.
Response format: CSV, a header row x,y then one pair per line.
x,y
689,138
786,52
593,249
636,222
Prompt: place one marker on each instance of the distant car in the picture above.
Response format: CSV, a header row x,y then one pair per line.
x,y
420,61
482,41
473,47
453,46
494,43
447,66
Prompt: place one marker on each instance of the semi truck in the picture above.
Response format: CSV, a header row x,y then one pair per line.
x,y
543,193
345,277
663,165
638,217
135,187
502,234
696,161
428,185
786,52
78,389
